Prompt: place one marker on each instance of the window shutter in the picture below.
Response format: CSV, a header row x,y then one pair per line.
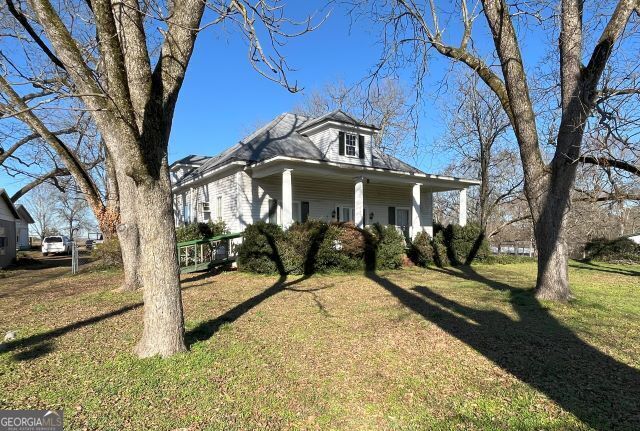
x,y
392,215
337,213
361,146
341,143
304,211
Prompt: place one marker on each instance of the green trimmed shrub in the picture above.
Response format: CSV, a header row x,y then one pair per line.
x,y
421,250
440,250
338,250
108,253
300,244
389,246
259,251
620,250
462,245
305,248
194,231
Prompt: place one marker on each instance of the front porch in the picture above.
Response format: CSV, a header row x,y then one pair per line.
x,y
287,193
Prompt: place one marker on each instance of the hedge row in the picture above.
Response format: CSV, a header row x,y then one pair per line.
x,y
619,250
315,246
193,231
450,245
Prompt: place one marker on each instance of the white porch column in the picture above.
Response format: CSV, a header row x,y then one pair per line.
x,y
358,207
192,204
462,210
287,199
416,226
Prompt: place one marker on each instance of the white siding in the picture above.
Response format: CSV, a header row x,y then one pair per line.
x,y
5,212
22,234
224,187
326,139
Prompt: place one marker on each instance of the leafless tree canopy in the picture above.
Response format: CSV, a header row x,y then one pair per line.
x,y
593,39
386,105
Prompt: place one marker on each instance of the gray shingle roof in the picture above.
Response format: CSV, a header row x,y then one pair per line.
x,y
24,214
340,117
191,159
281,137
385,161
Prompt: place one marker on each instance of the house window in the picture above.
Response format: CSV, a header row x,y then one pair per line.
x,y
219,207
344,213
3,241
295,209
350,141
273,211
206,210
186,213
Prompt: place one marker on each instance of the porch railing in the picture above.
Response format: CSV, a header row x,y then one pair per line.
x,y
204,254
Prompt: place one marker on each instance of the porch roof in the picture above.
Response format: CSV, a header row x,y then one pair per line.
x,y
323,168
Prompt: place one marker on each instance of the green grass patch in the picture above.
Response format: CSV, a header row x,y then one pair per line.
x,y
414,349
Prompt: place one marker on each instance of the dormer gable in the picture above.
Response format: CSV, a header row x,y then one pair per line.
x,y
341,138
181,167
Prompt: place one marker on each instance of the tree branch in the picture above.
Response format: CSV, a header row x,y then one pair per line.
x,y
19,16
81,176
609,162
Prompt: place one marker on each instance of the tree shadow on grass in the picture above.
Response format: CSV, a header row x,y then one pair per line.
x,y
41,344
537,349
207,329
45,338
592,266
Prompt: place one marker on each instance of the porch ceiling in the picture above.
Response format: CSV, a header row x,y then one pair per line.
x,y
313,169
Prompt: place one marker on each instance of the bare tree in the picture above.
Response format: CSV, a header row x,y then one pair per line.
x,y
106,67
412,31
72,210
386,105
479,132
41,204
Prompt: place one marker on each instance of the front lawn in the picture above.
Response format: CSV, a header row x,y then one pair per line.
x,y
408,349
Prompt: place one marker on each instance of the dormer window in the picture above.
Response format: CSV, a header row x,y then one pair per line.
x,y
350,144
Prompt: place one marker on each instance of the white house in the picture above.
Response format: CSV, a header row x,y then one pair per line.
x,y
296,168
8,218
22,228
635,237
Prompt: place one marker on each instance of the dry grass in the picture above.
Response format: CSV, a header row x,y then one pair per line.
x,y
411,349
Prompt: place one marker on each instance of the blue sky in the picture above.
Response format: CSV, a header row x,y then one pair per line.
x,y
223,99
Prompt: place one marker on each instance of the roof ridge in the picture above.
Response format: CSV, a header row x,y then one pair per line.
x,y
257,132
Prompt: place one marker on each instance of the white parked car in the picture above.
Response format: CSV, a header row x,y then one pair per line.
x,y
56,244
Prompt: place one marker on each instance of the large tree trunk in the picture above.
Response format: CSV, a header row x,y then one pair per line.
x,y
128,235
553,257
163,332
549,214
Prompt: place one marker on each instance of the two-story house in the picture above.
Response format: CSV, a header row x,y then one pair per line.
x,y
296,168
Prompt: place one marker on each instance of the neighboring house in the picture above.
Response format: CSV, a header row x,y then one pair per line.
x,y
8,218
296,168
22,228
635,237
